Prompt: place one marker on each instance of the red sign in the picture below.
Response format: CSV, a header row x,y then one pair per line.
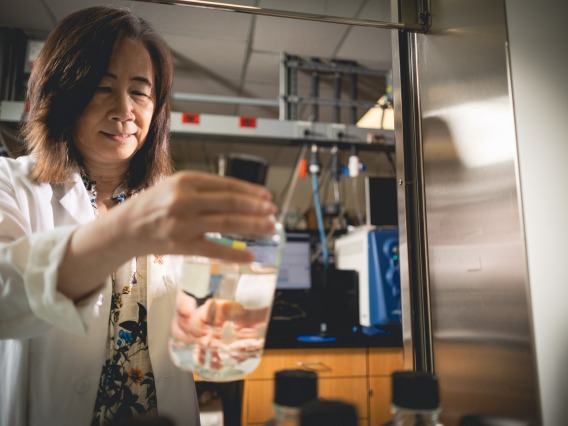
x,y
189,118
247,122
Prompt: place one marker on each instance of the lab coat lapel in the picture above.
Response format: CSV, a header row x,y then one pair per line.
x,y
74,199
161,293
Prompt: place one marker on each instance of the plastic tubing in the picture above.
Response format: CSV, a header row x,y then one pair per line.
x,y
354,192
319,217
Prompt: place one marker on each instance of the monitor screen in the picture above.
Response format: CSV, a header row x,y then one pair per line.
x,y
380,200
295,268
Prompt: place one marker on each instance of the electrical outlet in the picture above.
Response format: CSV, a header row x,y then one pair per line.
x,y
336,131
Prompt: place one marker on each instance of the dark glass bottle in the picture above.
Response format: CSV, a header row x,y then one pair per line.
x,y
324,412
415,399
292,389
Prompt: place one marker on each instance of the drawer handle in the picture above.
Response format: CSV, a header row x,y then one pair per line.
x,y
314,366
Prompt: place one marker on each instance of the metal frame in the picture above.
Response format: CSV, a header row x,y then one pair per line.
x,y
415,14
290,100
418,330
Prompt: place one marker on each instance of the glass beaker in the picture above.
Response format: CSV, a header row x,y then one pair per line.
x,y
223,308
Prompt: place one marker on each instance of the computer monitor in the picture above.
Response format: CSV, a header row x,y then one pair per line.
x,y
295,267
381,202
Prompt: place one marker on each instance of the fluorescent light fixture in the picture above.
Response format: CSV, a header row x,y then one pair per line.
x,y
388,119
377,118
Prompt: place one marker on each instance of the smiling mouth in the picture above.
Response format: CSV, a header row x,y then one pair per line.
x,y
118,137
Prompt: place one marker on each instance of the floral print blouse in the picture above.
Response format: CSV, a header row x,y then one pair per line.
x,y
126,388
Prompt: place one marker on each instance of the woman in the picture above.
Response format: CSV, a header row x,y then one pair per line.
x,y
86,302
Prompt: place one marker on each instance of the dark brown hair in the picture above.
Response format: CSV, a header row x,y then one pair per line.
x,y
68,69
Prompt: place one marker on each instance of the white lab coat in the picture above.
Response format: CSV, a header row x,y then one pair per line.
x,y
51,350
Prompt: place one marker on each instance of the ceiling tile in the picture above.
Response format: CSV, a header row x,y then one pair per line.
x,y
194,56
340,8
61,8
17,14
196,22
304,38
371,46
377,10
263,67
217,87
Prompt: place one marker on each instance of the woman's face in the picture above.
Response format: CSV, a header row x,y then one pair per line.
x,y
114,125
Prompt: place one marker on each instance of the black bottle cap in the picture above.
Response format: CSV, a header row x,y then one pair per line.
x,y
293,388
415,390
323,412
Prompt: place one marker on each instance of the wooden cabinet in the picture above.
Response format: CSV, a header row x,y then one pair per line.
x,y
360,376
382,362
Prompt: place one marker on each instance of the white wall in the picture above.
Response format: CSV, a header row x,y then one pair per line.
x,y
538,36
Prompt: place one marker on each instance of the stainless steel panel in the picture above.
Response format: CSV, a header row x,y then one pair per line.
x,y
482,338
404,261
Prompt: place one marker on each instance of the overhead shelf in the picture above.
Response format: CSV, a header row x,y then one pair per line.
x,y
266,130
256,130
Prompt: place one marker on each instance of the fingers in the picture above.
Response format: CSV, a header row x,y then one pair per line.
x,y
218,251
210,182
231,202
227,310
173,216
240,224
198,195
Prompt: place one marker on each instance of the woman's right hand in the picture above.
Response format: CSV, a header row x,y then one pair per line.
x,y
173,216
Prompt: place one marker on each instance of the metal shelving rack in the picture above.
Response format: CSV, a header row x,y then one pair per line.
x,y
285,132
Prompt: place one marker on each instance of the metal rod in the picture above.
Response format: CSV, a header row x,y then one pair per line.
x,y
195,97
292,92
337,93
424,15
283,87
346,103
315,95
288,14
353,93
